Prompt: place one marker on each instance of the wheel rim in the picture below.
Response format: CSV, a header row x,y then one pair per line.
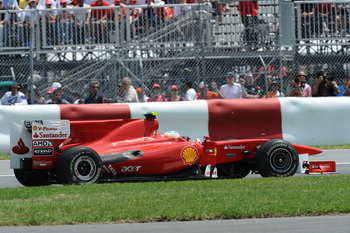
x,y
85,168
281,160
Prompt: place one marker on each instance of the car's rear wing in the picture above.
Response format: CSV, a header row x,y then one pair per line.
x,y
36,140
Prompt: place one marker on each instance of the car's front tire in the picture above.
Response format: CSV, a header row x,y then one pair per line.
x,y
79,165
277,158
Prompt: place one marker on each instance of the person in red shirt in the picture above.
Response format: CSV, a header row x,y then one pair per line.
x,y
248,11
99,19
210,94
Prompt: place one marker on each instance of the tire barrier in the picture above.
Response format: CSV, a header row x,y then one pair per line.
x,y
306,121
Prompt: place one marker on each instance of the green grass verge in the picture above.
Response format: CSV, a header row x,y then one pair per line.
x,y
175,201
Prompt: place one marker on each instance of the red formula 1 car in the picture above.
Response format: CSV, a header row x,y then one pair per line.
x,y
82,152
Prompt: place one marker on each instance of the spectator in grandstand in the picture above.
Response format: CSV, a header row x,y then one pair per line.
x,y
347,89
9,3
157,96
57,97
253,91
344,90
141,95
342,17
14,97
77,98
300,87
248,11
38,99
325,85
99,20
2,21
29,20
182,11
232,90
23,4
324,18
148,21
82,15
13,27
121,13
65,24
174,92
190,92
94,96
57,85
210,94
307,19
162,13
180,14
50,17
128,91
273,90
135,18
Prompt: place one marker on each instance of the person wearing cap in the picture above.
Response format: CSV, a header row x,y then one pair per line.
x,y
14,97
141,95
174,92
135,15
50,17
273,90
190,92
210,94
299,86
157,96
57,97
232,90
129,92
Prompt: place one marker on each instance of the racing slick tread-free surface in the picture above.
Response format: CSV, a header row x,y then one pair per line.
x,y
79,165
278,158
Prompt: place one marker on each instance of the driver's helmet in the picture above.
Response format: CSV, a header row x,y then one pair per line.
x,y
172,134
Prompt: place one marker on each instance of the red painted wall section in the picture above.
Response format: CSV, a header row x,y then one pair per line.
x,y
244,118
94,111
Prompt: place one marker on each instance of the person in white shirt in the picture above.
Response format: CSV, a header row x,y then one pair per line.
x,y
191,94
130,94
232,90
14,97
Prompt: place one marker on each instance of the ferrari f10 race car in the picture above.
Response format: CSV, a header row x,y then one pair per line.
x,y
48,152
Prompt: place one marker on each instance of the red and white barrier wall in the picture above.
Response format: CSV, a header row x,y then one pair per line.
x,y
307,121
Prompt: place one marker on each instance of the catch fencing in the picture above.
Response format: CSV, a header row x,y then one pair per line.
x,y
199,44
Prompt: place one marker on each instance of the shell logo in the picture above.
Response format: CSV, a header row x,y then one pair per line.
x,y
35,127
189,155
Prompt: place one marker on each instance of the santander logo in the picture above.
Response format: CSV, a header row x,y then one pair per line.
x,y
21,148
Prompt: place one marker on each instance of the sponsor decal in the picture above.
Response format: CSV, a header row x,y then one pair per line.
x,y
28,124
50,135
112,170
43,143
131,168
51,130
42,163
20,148
43,151
230,155
229,147
189,155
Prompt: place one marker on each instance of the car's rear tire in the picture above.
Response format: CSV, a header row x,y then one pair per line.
x,y
79,165
31,178
277,158
235,170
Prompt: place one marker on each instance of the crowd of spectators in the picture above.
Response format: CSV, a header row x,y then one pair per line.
x,y
236,87
80,23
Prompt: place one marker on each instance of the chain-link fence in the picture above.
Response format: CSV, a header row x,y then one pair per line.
x,y
173,44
